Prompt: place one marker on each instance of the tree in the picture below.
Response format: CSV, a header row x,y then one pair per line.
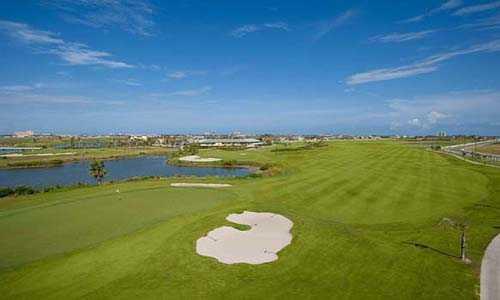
x,y
97,170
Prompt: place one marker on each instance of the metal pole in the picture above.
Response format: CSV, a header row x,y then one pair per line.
x,y
462,246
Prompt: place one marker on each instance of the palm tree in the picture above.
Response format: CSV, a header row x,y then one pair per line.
x,y
97,170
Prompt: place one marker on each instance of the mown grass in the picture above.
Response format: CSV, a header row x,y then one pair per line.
x,y
357,207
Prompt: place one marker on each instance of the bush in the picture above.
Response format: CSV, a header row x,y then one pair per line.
x,y
255,175
24,190
34,164
266,167
229,163
4,192
191,149
17,191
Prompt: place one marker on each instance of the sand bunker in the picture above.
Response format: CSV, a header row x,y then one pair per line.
x,y
269,234
196,158
202,185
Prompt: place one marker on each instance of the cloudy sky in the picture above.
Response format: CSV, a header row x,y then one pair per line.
x,y
145,66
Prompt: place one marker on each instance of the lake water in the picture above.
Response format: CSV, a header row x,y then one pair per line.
x,y
72,173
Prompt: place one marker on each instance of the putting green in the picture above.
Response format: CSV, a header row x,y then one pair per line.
x,y
357,207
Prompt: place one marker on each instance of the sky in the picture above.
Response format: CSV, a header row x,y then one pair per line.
x,y
185,66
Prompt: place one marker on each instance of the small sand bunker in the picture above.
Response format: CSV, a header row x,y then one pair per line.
x,y
269,234
196,158
202,185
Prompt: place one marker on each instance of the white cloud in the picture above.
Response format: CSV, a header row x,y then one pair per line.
x,y
390,73
250,28
415,122
34,94
24,33
448,5
64,74
402,37
79,54
452,110
427,65
434,117
129,82
244,30
26,96
277,25
477,8
184,74
134,16
177,75
192,93
70,52
16,88
325,27
428,120
484,24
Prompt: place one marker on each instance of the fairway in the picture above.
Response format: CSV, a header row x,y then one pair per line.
x,y
357,210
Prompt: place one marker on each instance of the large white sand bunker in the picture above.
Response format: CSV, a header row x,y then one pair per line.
x,y
269,234
196,158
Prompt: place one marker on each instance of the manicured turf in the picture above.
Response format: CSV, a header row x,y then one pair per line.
x,y
356,206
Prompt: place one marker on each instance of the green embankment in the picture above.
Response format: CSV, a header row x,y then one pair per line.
x,y
357,207
58,157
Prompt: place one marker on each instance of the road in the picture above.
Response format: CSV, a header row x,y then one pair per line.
x,y
490,271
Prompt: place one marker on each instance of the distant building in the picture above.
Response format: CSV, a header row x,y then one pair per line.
x,y
139,138
22,134
442,134
248,143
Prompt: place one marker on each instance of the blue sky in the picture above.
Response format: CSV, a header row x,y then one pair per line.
x,y
358,67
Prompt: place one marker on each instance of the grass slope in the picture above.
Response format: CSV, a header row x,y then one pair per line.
x,y
354,206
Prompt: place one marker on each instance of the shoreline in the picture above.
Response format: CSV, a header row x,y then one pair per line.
x,y
78,185
59,161
254,169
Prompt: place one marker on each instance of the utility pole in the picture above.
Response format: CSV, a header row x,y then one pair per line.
x,y
474,147
463,254
463,245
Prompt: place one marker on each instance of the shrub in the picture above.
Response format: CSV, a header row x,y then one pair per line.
x,y
229,163
4,192
266,167
24,190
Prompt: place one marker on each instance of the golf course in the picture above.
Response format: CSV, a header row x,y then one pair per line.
x,y
371,220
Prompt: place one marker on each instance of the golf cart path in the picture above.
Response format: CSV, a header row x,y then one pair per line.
x,y
490,271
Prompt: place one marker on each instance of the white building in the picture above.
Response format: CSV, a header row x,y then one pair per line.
x,y
22,134
248,143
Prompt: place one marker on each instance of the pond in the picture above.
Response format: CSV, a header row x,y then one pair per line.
x,y
73,173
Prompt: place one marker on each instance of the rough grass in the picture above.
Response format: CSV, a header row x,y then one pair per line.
x,y
356,208
493,149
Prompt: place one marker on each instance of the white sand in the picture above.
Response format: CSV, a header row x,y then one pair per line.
x,y
196,158
203,185
39,154
269,234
